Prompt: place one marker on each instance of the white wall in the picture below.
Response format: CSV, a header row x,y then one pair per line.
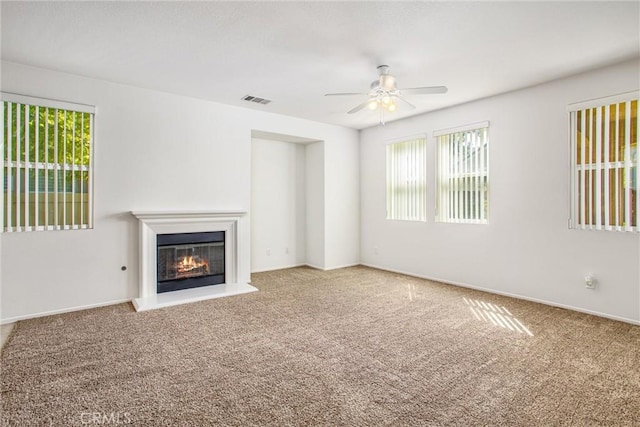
x,y
278,213
342,181
526,249
315,200
148,144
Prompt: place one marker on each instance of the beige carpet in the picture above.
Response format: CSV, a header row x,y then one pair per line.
x,y
348,347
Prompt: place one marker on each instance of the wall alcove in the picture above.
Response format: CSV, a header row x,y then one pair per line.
x,y
287,201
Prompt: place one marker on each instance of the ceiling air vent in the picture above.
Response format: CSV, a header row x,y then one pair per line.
x,y
256,99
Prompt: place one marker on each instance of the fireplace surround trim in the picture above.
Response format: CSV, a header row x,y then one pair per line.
x,y
152,223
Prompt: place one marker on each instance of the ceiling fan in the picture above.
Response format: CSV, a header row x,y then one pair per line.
x,y
384,93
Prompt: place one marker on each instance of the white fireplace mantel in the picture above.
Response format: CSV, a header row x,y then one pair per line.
x,y
152,223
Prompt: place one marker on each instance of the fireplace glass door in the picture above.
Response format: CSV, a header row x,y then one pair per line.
x,y
190,260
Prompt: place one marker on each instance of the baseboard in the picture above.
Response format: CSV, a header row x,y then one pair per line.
x,y
332,268
278,268
342,266
508,294
435,279
61,311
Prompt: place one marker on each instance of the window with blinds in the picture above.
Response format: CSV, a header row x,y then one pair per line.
x,y
406,180
47,175
605,164
462,181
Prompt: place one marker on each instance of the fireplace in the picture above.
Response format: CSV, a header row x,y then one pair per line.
x,y
190,260
189,256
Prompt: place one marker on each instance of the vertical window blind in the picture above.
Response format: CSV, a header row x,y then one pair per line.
x,y
406,180
463,174
605,165
47,164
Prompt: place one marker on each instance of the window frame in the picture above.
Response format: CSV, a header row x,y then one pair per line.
x,y
57,167
446,217
577,219
420,190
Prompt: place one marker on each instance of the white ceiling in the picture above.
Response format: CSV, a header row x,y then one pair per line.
x,y
294,52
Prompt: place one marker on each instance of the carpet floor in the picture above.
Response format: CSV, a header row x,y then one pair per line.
x,y
352,347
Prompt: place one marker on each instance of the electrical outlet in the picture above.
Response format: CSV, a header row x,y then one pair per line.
x,y
268,252
375,250
589,281
286,250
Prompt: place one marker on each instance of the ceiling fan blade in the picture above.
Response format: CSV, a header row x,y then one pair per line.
x,y
406,102
345,94
358,107
423,90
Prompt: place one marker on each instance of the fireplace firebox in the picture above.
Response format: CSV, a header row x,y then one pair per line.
x,y
190,260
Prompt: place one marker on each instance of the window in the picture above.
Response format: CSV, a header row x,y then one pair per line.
x,y
463,174
604,161
406,180
47,176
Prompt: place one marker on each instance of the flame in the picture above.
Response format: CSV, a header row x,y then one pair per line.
x,y
192,266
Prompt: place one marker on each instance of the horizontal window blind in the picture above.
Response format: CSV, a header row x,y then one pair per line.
x,y
406,180
605,164
47,164
463,174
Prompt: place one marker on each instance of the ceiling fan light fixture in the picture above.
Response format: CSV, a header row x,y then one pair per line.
x,y
373,104
392,107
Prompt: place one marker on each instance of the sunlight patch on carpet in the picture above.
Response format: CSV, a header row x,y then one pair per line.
x,y
496,315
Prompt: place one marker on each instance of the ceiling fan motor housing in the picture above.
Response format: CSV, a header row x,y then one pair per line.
x,y
388,82
385,81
